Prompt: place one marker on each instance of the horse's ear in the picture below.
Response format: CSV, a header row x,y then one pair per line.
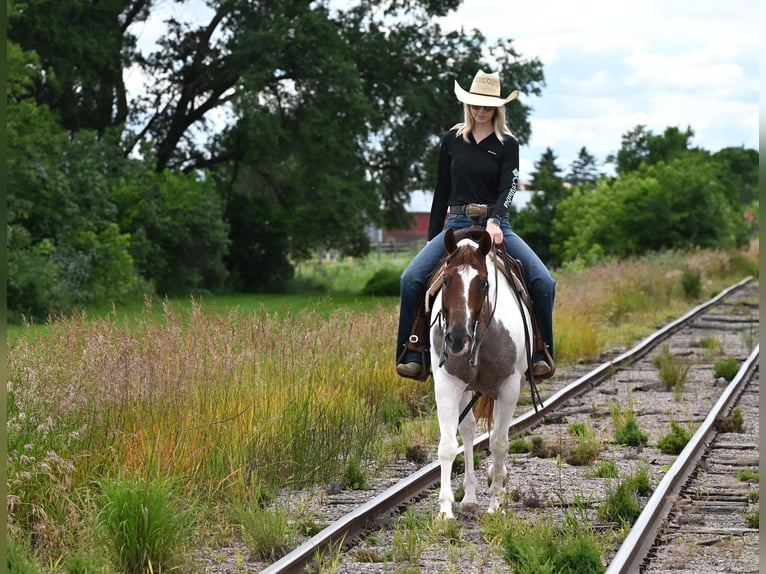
x,y
485,243
450,245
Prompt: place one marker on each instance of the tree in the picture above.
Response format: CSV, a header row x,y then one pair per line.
x,y
584,170
678,205
83,49
641,146
334,115
534,222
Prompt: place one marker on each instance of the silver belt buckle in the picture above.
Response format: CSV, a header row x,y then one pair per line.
x,y
476,210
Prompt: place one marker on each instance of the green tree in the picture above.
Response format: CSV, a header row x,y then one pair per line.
x,y
533,223
640,145
584,170
83,48
681,205
334,115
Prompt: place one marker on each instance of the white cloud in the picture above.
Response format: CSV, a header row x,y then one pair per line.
x,y
611,66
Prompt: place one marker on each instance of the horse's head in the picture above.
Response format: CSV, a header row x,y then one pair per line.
x,y
464,291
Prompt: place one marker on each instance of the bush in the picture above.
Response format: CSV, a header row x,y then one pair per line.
x,y
691,282
675,441
726,368
384,283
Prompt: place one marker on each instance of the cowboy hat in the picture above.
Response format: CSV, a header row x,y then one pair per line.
x,y
485,91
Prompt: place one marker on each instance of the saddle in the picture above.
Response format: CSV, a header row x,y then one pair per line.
x,y
419,339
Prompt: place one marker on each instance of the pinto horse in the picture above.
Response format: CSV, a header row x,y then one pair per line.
x,y
480,344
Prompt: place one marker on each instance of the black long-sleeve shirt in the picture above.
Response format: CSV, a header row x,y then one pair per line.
x,y
487,172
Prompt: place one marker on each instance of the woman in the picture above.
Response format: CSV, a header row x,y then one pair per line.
x,y
478,164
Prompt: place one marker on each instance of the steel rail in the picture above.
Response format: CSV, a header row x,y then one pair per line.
x,y
350,526
636,546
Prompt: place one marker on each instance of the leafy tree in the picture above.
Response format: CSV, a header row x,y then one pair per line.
x,y
739,172
335,118
662,206
177,233
83,49
641,146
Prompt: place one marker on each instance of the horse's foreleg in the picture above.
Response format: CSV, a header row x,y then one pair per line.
x,y
467,433
447,402
497,474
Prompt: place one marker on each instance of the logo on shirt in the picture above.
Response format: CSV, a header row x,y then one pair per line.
x,y
514,187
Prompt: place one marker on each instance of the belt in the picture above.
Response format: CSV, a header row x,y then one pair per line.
x,y
472,209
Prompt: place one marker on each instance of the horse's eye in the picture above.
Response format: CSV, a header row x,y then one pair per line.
x,y
483,284
446,280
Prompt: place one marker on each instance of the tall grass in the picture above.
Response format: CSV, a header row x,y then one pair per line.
x,y
230,401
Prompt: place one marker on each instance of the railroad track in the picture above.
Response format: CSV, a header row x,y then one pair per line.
x,y
545,485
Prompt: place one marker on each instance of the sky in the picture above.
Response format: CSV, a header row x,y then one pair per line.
x,y
613,65
610,66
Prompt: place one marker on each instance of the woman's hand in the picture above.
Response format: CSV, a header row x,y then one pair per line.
x,y
494,231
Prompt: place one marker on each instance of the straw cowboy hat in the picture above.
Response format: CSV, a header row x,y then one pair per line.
x,y
485,91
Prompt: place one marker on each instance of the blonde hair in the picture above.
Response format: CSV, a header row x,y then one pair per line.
x,y
466,126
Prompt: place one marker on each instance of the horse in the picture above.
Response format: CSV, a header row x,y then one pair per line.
x,y
481,344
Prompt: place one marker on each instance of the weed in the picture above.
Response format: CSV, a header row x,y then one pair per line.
x,y
355,479
519,446
145,524
543,547
675,441
752,517
691,282
672,371
267,532
578,429
711,343
626,429
734,422
748,475
727,368
406,544
587,447
606,469
541,449
621,504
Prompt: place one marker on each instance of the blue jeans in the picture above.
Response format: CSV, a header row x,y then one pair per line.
x,y
414,280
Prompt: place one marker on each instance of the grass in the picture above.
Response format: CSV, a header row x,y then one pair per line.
x,y
671,369
227,396
675,441
545,547
626,429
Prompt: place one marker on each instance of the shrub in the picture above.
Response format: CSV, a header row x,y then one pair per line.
x,y
383,283
621,504
691,283
626,430
675,441
726,368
